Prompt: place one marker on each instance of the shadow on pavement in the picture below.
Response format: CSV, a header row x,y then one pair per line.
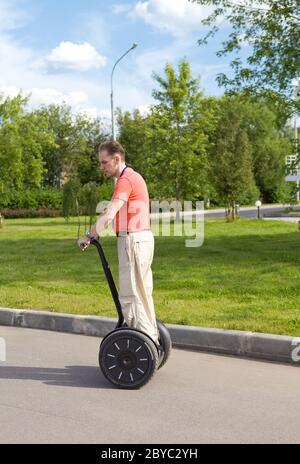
x,y
70,376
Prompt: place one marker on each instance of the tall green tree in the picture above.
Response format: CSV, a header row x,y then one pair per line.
x,y
77,138
231,157
134,135
87,164
10,147
271,143
272,29
179,127
59,160
23,138
36,138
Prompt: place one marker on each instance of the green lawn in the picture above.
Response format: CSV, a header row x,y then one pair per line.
x,y
246,275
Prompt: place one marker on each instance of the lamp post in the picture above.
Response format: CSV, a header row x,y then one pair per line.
x,y
258,205
134,45
297,97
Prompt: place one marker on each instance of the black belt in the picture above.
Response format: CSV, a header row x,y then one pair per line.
x,y
121,233
118,234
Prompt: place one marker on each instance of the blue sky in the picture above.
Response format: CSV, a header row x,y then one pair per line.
x,y
65,50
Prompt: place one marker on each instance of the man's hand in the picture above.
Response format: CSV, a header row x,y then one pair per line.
x,y
83,243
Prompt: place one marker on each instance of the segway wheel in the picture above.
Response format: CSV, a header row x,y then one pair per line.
x,y
128,358
165,341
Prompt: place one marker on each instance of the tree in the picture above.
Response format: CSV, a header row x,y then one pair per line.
x,y
272,29
89,197
231,158
10,147
271,143
70,205
59,159
35,139
179,127
23,137
87,164
134,135
74,155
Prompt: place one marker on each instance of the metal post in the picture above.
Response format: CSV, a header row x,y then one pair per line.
x,y
112,114
297,160
112,92
297,97
258,205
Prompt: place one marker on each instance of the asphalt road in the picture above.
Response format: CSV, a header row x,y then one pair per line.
x,y
52,391
246,212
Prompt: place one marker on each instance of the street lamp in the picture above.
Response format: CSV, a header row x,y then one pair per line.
x,y
134,45
258,205
297,98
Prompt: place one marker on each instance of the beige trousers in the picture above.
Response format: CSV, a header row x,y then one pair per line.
x,y
135,253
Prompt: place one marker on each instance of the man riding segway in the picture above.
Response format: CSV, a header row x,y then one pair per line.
x,y
129,209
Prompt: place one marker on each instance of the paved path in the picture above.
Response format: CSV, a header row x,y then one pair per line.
x,y
247,212
52,391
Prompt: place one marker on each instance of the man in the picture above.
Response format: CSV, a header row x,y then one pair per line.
x,y
129,209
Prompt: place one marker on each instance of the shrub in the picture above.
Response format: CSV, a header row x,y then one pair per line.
x,y
30,213
32,199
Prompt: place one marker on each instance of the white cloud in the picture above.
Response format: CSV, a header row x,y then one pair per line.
x,y
91,111
155,60
11,14
10,91
176,16
18,74
105,114
120,8
144,109
75,57
24,69
94,29
46,96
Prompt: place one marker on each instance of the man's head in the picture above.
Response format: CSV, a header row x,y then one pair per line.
x,y
111,158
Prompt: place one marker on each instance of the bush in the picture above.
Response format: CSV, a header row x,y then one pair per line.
x,y
30,213
250,196
49,198
106,191
30,199
70,205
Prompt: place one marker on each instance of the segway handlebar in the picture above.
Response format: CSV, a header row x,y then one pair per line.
x,y
110,280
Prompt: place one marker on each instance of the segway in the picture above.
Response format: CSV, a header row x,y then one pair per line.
x,y
129,357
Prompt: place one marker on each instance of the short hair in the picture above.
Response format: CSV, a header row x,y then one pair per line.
x,y
112,147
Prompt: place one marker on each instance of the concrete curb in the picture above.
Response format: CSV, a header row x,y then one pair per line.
x,y
233,342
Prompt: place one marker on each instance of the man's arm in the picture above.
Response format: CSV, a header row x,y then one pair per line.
x,y
113,207
105,219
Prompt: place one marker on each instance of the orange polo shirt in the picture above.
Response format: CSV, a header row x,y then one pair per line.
x,y
134,215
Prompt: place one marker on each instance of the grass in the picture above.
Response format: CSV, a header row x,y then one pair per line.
x,y
246,275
